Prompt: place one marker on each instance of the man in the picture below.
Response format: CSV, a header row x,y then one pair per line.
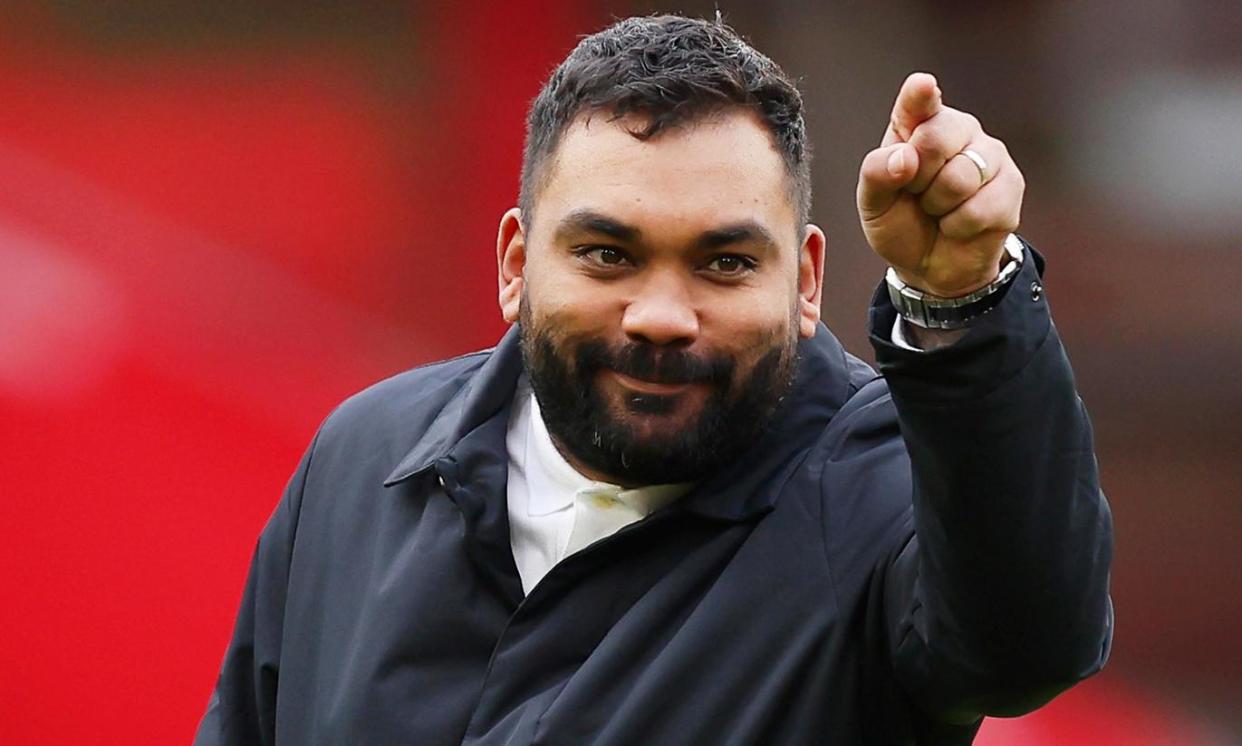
x,y
668,508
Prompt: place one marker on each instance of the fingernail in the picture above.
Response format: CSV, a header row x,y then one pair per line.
x,y
897,162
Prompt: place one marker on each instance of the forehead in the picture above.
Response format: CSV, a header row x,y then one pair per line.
x,y
688,178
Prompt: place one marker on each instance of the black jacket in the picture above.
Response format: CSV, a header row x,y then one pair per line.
x,y
897,557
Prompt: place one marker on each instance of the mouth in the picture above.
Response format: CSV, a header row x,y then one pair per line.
x,y
655,388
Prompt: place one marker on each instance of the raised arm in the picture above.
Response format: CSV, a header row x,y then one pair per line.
x,y
1000,600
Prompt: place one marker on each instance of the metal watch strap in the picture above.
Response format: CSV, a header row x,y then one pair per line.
x,y
934,312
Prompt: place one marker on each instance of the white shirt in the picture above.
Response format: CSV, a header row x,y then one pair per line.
x,y
555,511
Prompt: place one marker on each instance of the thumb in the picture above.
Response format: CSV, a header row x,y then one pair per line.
x,y
884,172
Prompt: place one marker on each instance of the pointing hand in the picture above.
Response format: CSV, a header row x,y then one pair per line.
x,y
939,196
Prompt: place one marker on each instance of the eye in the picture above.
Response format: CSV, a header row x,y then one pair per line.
x,y
731,265
602,256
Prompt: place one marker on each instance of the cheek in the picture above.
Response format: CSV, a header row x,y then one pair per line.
x,y
751,321
565,324
569,317
558,293
751,340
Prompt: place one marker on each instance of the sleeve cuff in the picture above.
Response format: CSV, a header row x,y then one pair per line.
x,y
996,347
898,336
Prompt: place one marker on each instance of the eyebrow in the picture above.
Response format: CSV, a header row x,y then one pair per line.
x,y
747,231
590,221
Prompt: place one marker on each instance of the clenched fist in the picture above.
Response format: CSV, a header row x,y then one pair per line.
x,y
939,196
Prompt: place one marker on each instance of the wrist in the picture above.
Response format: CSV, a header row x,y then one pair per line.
x,y
929,310
958,290
964,285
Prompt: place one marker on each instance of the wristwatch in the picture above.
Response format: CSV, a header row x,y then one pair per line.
x,y
934,312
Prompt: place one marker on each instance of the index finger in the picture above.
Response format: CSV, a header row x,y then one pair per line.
x,y
918,100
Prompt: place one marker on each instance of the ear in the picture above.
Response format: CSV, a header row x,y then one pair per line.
x,y
511,263
810,280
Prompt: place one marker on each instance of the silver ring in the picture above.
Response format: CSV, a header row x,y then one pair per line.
x,y
980,164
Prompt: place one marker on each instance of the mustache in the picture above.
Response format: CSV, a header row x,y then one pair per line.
x,y
654,363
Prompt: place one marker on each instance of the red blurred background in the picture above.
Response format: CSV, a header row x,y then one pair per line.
x,y
218,220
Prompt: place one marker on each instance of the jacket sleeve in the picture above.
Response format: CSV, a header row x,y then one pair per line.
x,y
242,708
999,601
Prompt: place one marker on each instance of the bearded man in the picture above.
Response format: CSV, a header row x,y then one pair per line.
x,y
668,508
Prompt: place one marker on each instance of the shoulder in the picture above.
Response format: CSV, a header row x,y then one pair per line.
x,y
392,414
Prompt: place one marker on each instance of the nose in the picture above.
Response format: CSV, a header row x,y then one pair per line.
x,y
662,312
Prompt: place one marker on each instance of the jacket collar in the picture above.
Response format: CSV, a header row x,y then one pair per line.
x,y
744,489
487,393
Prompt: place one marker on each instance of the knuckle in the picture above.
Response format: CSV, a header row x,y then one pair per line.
x,y
1003,155
951,186
973,215
929,139
938,204
1010,186
1015,219
953,226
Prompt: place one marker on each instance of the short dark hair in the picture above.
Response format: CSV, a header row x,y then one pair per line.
x,y
669,70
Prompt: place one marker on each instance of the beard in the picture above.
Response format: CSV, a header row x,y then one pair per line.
x,y
737,410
